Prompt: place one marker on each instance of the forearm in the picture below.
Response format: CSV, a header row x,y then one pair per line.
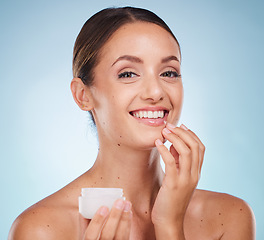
x,y
169,233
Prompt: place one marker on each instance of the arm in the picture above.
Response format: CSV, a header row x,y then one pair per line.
x,y
183,164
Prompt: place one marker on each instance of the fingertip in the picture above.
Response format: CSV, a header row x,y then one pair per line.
x,y
119,204
166,131
170,126
103,211
158,142
127,212
128,206
184,127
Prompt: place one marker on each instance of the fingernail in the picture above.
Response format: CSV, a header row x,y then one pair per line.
x,y
158,142
119,204
103,211
166,130
127,207
171,126
184,127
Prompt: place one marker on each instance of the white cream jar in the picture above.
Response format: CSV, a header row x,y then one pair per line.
x,y
92,199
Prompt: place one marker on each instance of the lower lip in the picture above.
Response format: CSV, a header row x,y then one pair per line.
x,y
154,122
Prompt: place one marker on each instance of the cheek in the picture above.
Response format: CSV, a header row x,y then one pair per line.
x,y
108,109
180,97
176,95
176,98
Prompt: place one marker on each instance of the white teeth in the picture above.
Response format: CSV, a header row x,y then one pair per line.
x,y
149,114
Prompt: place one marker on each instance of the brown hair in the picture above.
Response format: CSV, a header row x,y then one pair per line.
x,y
98,29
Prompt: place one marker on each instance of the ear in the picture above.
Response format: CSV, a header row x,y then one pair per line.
x,y
81,94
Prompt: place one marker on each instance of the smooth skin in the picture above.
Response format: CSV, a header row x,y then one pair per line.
x,y
159,205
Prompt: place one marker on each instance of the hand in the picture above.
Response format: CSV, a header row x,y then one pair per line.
x,y
115,225
183,163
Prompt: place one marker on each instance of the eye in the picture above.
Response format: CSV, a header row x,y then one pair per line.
x,y
170,74
127,75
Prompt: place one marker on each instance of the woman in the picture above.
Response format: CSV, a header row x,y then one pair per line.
x,y
127,74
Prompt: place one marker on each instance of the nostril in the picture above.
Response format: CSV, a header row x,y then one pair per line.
x,y
153,92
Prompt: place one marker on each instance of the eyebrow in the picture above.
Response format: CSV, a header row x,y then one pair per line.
x,y
128,58
169,58
138,60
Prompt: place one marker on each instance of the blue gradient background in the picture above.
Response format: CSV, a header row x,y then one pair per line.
x,y
46,141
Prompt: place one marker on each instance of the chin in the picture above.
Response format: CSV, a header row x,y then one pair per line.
x,y
147,141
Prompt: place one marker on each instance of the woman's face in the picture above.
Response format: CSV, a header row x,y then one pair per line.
x,y
137,85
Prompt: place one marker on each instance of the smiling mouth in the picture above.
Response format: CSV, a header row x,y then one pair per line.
x,y
149,114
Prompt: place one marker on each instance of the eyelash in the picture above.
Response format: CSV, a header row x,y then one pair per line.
x,y
173,74
125,75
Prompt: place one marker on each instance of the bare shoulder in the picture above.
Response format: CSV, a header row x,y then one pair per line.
x,y
222,200
229,216
55,217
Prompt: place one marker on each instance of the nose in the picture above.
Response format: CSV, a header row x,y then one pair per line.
x,y
152,89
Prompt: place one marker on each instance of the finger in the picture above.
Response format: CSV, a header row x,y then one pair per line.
x,y
175,155
168,159
192,143
192,134
196,156
94,229
83,224
185,153
111,225
124,227
202,148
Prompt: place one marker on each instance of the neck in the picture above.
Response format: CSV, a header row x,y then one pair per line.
x,y
138,172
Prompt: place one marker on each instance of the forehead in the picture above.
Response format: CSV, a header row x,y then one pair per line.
x,y
140,37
